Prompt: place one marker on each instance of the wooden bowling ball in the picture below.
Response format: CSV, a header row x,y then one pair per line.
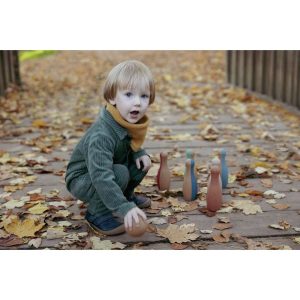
x,y
138,229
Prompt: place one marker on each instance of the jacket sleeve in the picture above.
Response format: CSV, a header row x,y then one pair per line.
x,y
139,154
100,166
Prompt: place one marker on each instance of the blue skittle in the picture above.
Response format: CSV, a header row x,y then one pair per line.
x,y
224,168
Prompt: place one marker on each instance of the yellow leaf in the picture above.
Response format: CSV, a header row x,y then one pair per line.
x,y
38,209
179,234
39,124
25,228
297,240
86,121
247,206
98,244
261,164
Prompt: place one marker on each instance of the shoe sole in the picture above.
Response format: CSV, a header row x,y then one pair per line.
x,y
119,230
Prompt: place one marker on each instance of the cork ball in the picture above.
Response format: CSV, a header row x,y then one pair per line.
x,y
138,229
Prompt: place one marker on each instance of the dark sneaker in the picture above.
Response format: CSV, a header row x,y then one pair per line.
x,y
140,201
106,224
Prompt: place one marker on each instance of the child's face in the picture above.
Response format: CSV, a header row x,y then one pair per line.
x,y
132,103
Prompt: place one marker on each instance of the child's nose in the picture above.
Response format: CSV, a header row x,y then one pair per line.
x,y
137,100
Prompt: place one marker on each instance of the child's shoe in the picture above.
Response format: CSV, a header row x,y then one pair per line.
x,y
140,201
106,224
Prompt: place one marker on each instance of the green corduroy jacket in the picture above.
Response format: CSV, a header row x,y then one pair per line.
x,y
105,143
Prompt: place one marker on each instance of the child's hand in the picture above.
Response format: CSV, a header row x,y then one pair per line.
x,y
145,159
133,214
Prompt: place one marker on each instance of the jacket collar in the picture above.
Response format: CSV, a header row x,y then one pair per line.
x,y
109,120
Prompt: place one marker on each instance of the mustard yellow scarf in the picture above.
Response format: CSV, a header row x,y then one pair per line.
x,y
137,131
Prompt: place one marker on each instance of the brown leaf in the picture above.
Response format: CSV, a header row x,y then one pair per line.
x,y
11,241
222,226
268,183
207,212
254,192
280,206
177,246
200,245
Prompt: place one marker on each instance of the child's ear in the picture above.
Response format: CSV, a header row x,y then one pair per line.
x,y
112,102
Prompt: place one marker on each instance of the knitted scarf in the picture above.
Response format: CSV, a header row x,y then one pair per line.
x,y
137,131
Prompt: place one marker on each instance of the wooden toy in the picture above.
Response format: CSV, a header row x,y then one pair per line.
x,y
190,188
214,190
224,168
216,162
163,175
189,154
138,229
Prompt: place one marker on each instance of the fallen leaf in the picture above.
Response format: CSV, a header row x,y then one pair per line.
x,y
25,228
55,233
39,123
222,237
223,220
98,244
222,226
36,243
38,209
247,206
36,191
206,231
158,221
13,204
281,206
11,241
179,234
177,246
207,212
266,182
276,226
297,240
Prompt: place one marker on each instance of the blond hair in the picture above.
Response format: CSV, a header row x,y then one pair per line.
x,y
128,75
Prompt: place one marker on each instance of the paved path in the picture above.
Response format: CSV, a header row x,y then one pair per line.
x,y
194,109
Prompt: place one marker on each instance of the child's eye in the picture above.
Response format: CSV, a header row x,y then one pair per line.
x,y
145,96
128,94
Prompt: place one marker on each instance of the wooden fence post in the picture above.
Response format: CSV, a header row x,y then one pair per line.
x,y
9,69
272,73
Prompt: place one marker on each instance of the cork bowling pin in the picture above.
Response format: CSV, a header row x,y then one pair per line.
x,y
224,168
163,175
190,188
214,190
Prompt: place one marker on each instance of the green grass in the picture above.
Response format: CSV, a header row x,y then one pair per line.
x,y
24,55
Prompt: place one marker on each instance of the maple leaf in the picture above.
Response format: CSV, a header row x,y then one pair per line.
x,y
247,206
38,209
297,240
25,228
13,203
179,234
98,244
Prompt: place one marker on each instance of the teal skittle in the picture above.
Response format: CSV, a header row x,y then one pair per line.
x,y
224,168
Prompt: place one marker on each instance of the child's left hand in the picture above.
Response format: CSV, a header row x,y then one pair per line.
x,y
145,159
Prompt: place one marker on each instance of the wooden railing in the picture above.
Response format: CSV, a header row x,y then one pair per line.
x,y
272,73
9,70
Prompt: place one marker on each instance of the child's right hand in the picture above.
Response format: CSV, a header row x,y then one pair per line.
x,y
133,214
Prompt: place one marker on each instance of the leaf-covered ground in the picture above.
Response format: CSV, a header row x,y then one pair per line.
x,y
194,108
